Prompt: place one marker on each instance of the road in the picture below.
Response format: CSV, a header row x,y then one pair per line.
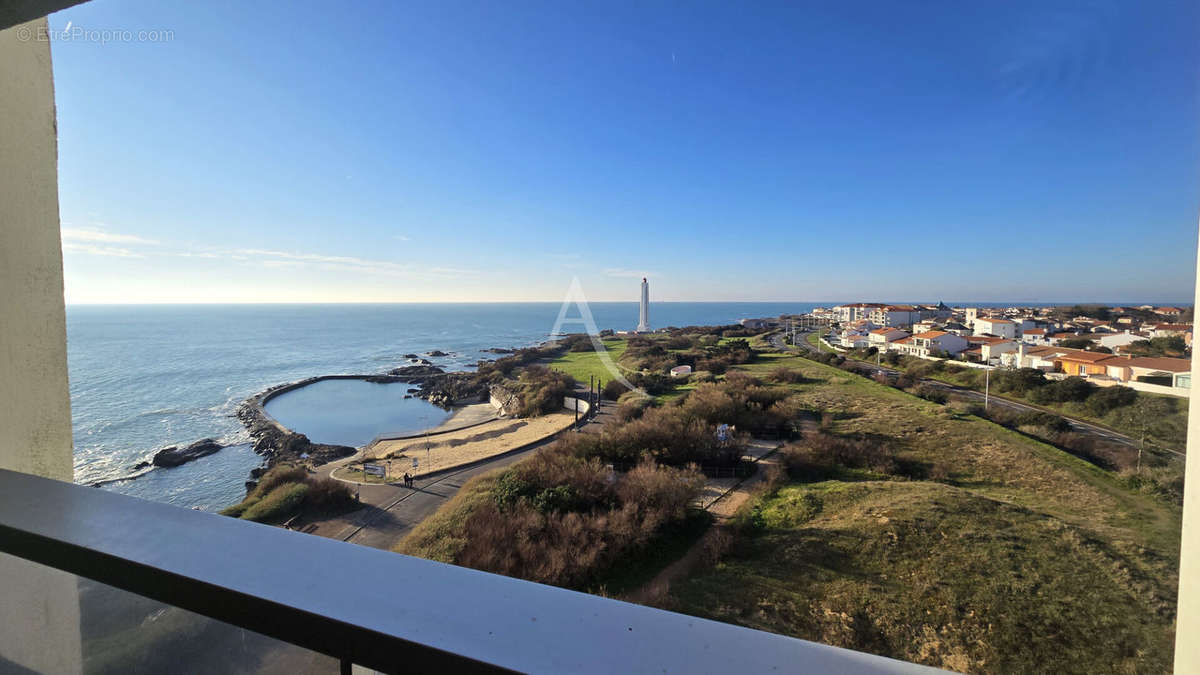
x,y
1078,426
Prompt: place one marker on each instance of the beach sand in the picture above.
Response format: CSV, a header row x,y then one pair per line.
x,y
448,449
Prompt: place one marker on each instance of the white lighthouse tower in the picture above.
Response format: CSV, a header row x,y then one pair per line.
x,y
644,314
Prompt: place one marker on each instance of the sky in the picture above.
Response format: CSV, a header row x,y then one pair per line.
x,y
493,151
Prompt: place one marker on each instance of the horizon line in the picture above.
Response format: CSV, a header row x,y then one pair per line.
x,y
956,303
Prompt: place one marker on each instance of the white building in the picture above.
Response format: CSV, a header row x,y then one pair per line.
x,y
895,315
998,327
855,311
991,352
880,337
932,342
1115,340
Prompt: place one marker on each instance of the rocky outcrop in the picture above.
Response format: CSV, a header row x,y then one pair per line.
x,y
384,379
174,456
497,350
407,373
453,389
278,443
437,353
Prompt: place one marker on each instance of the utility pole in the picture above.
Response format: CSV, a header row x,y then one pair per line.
x,y
987,381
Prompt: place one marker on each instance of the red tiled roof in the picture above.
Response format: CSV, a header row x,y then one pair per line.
x,y
930,334
1161,363
1085,357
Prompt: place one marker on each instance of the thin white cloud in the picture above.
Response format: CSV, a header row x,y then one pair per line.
x,y
626,273
103,237
455,271
92,249
380,267
401,237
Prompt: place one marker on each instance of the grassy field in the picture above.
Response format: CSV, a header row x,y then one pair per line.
x,y
583,365
991,553
815,340
1163,419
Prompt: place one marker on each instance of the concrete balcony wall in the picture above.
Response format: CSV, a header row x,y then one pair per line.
x,y
40,611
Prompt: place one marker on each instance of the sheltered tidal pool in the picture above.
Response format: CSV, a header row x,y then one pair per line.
x,y
352,412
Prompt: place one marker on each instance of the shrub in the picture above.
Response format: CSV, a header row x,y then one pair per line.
x,y
541,390
784,375
1071,389
823,455
1038,418
328,494
280,502
568,531
613,389
1018,381
930,392
1107,399
633,406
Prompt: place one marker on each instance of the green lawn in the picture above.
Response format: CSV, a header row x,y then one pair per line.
x,y
815,340
583,365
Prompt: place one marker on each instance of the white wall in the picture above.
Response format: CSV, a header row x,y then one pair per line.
x,y
1187,620
35,432
40,610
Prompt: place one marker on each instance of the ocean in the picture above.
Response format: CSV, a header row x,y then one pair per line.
x,y
144,377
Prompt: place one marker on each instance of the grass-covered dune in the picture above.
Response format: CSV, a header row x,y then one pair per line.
x,y
894,525
918,531
936,574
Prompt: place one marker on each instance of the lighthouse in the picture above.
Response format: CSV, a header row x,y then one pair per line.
x,y
644,314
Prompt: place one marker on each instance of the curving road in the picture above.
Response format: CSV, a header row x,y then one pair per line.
x,y
1078,426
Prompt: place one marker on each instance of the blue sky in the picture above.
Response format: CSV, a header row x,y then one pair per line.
x,y
472,151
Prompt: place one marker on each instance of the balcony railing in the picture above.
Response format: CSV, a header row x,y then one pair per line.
x,y
339,599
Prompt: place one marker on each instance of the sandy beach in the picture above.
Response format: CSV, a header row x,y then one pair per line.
x,y
438,451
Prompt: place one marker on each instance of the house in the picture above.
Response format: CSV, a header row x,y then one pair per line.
x,y
1161,370
1081,363
757,324
880,337
1183,330
854,340
956,328
1041,358
1169,312
934,341
855,311
997,327
895,315
1055,338
991,351
1115,341
1034,336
